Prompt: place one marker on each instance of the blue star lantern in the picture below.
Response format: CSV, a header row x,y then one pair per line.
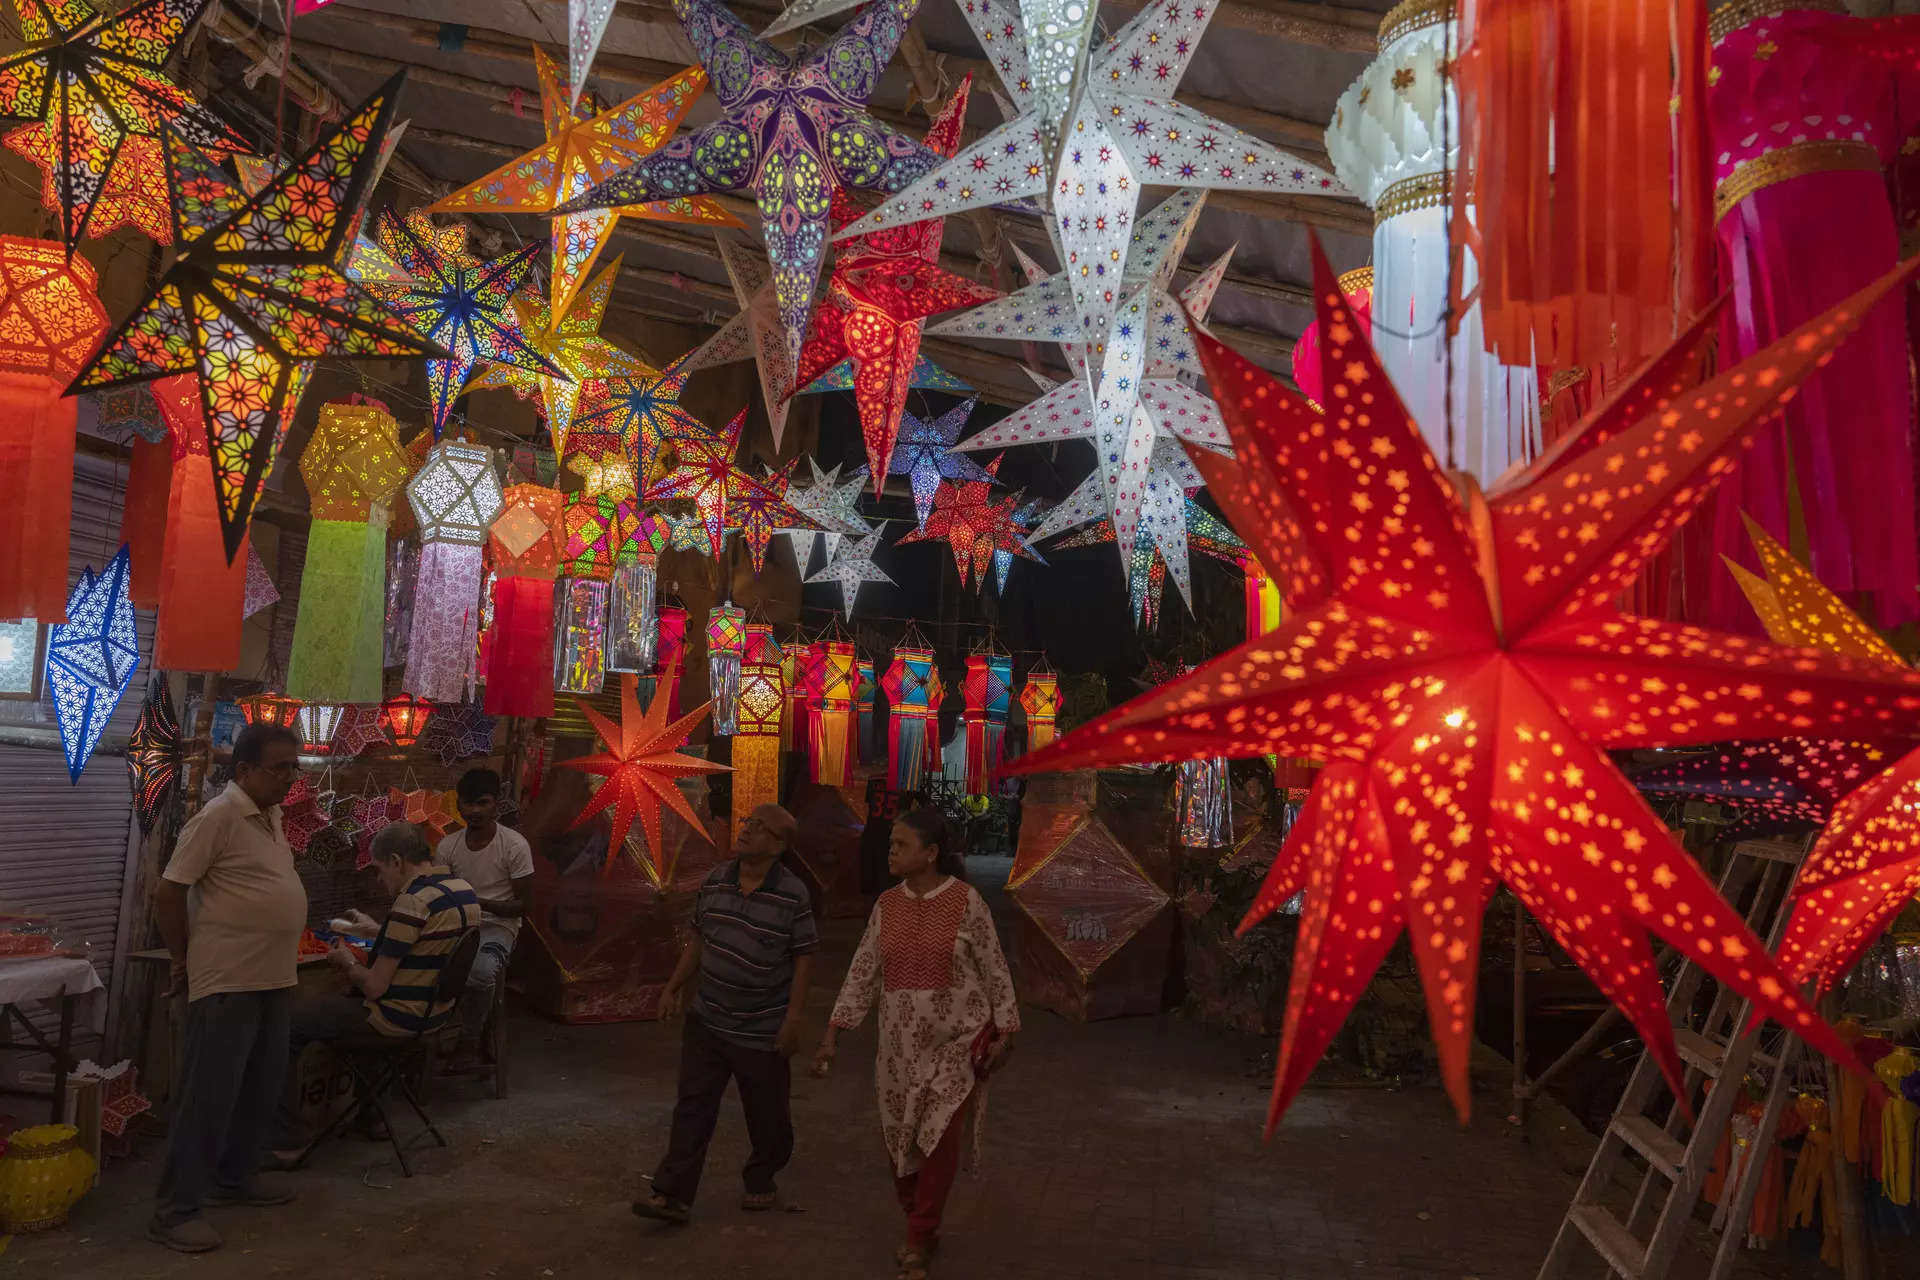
x,y
924,455
91,657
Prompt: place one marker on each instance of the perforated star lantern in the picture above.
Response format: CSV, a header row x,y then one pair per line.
x,y
1091,135
827,503
153,755
639,416
256,296
459,302
134,193
641,766
792,131
756,333
926,376
586,27
852,567
883,287
1156,556
95,83
974,523
1459,666
581,149
759,508
704,477
574,347
924,455
91,657
1024,518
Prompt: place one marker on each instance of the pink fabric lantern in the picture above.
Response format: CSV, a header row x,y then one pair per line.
x,y
1357,286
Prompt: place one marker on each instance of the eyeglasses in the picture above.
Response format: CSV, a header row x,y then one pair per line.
x,y
286,768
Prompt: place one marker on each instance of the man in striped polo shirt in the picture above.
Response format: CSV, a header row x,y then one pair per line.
x,y
752,943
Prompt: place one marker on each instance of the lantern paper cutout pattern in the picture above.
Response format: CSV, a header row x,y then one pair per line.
x,y
756,739
633,619
1464,703
988,689
1385,141
580,635
757,332
586,26
641,767
134,195
705,477
792,171
910,714
50,321
1040,700
256,295
405,718
865,690
316,723
596,527
91,658
1191,526
525,545
831,747
726,644
642,415
974,524
1801,128
923,452
456,497
96,85
852,568
260,590
353,466
153,755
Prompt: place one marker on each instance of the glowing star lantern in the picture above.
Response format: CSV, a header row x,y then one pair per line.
x,y
974,524
456,497
1040,700
459,302
643,414
1090,135
759,508
572,344
1459,668
926,376
852,568
988,690
756,739
726,644
405,718
757,332
831,745
580,635
353,466
134,194
704,477
50,321
581,149
924,454
882,289
1394,139
1158,553
828,503
90,659
525,544
641,767
256,296
791,132
96,84
153,755
1023,521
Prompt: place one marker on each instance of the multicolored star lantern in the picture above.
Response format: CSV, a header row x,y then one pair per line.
x,y
924,454
853,567
704,477
882,287
133,195
926,376
574,346
974,523
792,131
759,508
95,83
1024,519
582,149
641,766
153,755
1458,665
639,416
1092,134
1201,530
756,332
256,296
91,657
458,301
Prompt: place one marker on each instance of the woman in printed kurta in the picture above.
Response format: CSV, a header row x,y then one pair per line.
x,y
947,1017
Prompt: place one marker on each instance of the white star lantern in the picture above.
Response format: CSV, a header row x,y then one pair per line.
x,y
829,503
586,26
757,332
852,567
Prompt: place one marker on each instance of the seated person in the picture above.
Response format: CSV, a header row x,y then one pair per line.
x,y
432,912
498,863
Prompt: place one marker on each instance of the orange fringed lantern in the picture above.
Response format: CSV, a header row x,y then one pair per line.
x,y
202,595
526,542
50,321
756,740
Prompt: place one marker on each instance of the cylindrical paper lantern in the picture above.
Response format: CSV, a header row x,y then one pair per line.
x,y
525,543
726,643
988,691
1040,699
202,593
756,741
832,728
143,516
633,620
580,635
671,654
455,496
907,684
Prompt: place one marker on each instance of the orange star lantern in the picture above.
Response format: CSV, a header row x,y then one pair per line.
x,y
1457,663
641,766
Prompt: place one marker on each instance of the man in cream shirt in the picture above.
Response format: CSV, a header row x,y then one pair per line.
x,y
231,908
498,863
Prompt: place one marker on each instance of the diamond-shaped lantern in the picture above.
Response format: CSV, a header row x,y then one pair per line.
x,y
455,495
91,657
526,537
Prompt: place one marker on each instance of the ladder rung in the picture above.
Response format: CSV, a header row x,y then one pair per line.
x,y
1699,1051
1791,852
1613,1241
1662,1150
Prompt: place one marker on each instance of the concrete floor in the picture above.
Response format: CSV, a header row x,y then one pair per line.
x,y
1128,1148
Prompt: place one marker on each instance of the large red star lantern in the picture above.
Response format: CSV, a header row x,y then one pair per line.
x,y
883,285
974,523
641,767
1457,663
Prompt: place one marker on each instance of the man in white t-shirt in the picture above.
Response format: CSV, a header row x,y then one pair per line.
x,y
498,863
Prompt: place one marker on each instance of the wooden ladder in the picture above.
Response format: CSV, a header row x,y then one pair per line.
x,y
1711,1048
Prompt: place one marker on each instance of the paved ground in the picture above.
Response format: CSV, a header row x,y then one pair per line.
x,y
1127,1148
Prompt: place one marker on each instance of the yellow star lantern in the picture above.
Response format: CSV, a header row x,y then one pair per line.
x,y
610,476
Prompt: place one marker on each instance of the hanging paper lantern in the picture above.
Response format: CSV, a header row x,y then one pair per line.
x,y
90,658
456,497
633,620
1263,599
273,709
831,744
50,321
316,724
153,754
525,544
726,642
756,740
201,593
405,718
809,695
595,527
1040,700
671,651
353,465
403,574
908,683
1202,804
761,645
864,691
1357,286
580,635
988,689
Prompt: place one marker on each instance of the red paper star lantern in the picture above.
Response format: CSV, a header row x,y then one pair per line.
x,y
641,766
1457,663
974,524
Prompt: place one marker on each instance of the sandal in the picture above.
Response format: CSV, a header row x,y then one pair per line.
x,y
913,1264
661,1209
759,1201
900,1251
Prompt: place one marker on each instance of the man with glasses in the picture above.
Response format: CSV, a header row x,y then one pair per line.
x,y
752,944
231,908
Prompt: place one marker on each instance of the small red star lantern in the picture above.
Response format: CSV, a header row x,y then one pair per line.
x,y
641,766
1456,662
974,523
